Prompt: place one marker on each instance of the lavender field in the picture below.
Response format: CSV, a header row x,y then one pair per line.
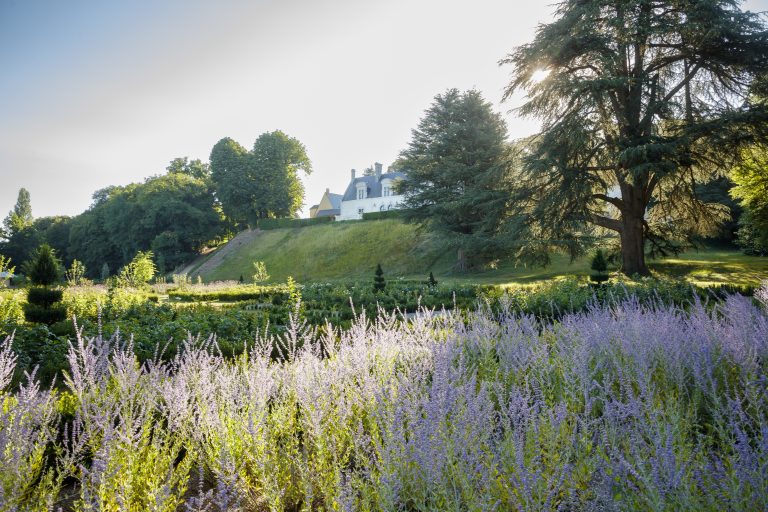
x,y
624,407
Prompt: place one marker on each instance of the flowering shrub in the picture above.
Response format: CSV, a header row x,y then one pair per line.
x,y
633,406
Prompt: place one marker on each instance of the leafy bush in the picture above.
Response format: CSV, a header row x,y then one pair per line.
x,y
75,276
138,272
11,306
259,272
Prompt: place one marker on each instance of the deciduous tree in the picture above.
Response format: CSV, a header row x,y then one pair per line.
x,y
751,190
261,183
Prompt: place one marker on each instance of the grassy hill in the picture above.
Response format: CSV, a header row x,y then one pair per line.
x,y
349,250
331,251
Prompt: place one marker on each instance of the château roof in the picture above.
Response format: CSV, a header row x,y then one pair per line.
x,y
372,183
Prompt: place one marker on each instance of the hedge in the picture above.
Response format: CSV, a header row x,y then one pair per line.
x,y
44,314
389,214
291,223
234,294
44,297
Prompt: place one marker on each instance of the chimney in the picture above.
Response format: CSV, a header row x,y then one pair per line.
x,y
353,174
378,166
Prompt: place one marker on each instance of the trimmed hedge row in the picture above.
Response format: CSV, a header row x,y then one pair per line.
x,y
234,294
389,214
291,223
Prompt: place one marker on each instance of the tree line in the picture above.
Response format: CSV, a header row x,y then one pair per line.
x,y
175,215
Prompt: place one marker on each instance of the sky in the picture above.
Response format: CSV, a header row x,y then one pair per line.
x,y
98,93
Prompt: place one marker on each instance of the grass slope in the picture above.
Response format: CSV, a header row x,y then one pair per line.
x,y
337,250
352,249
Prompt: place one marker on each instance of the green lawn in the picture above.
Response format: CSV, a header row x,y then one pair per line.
x,y
709,267
351,250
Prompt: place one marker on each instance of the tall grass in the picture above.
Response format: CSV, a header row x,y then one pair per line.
x,y
624,407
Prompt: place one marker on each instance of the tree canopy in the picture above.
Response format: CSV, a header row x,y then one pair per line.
x,y
175,215
458,165
643,100
261,183
21,215
751,190
195,168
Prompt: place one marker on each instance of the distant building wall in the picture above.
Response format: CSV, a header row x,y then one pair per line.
x,y
352,210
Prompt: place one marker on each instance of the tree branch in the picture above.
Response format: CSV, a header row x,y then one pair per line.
x,y
605,222
652,109
615,201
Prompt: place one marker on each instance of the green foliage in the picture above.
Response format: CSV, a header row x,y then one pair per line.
x,y
104,271
5,267
600,265
432,281
194,168
277,160
751,190
138,272
174,215
718,191
21,216
388,214
262,183
291,223
295,305
245,292
44,268
378,279
75,276
11,307
44,315
458,165
181,281
647,124
259,272
44,306
23,234
44,296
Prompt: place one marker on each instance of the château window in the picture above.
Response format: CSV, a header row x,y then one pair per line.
x,y
360,211
361,193
386,192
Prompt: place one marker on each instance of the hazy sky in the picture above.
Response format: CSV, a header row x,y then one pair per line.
x,y
98,92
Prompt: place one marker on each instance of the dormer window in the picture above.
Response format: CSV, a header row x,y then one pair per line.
x,y
386,187
361,191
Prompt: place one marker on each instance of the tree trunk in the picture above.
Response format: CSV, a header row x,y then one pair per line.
x,y
633,245
461,260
